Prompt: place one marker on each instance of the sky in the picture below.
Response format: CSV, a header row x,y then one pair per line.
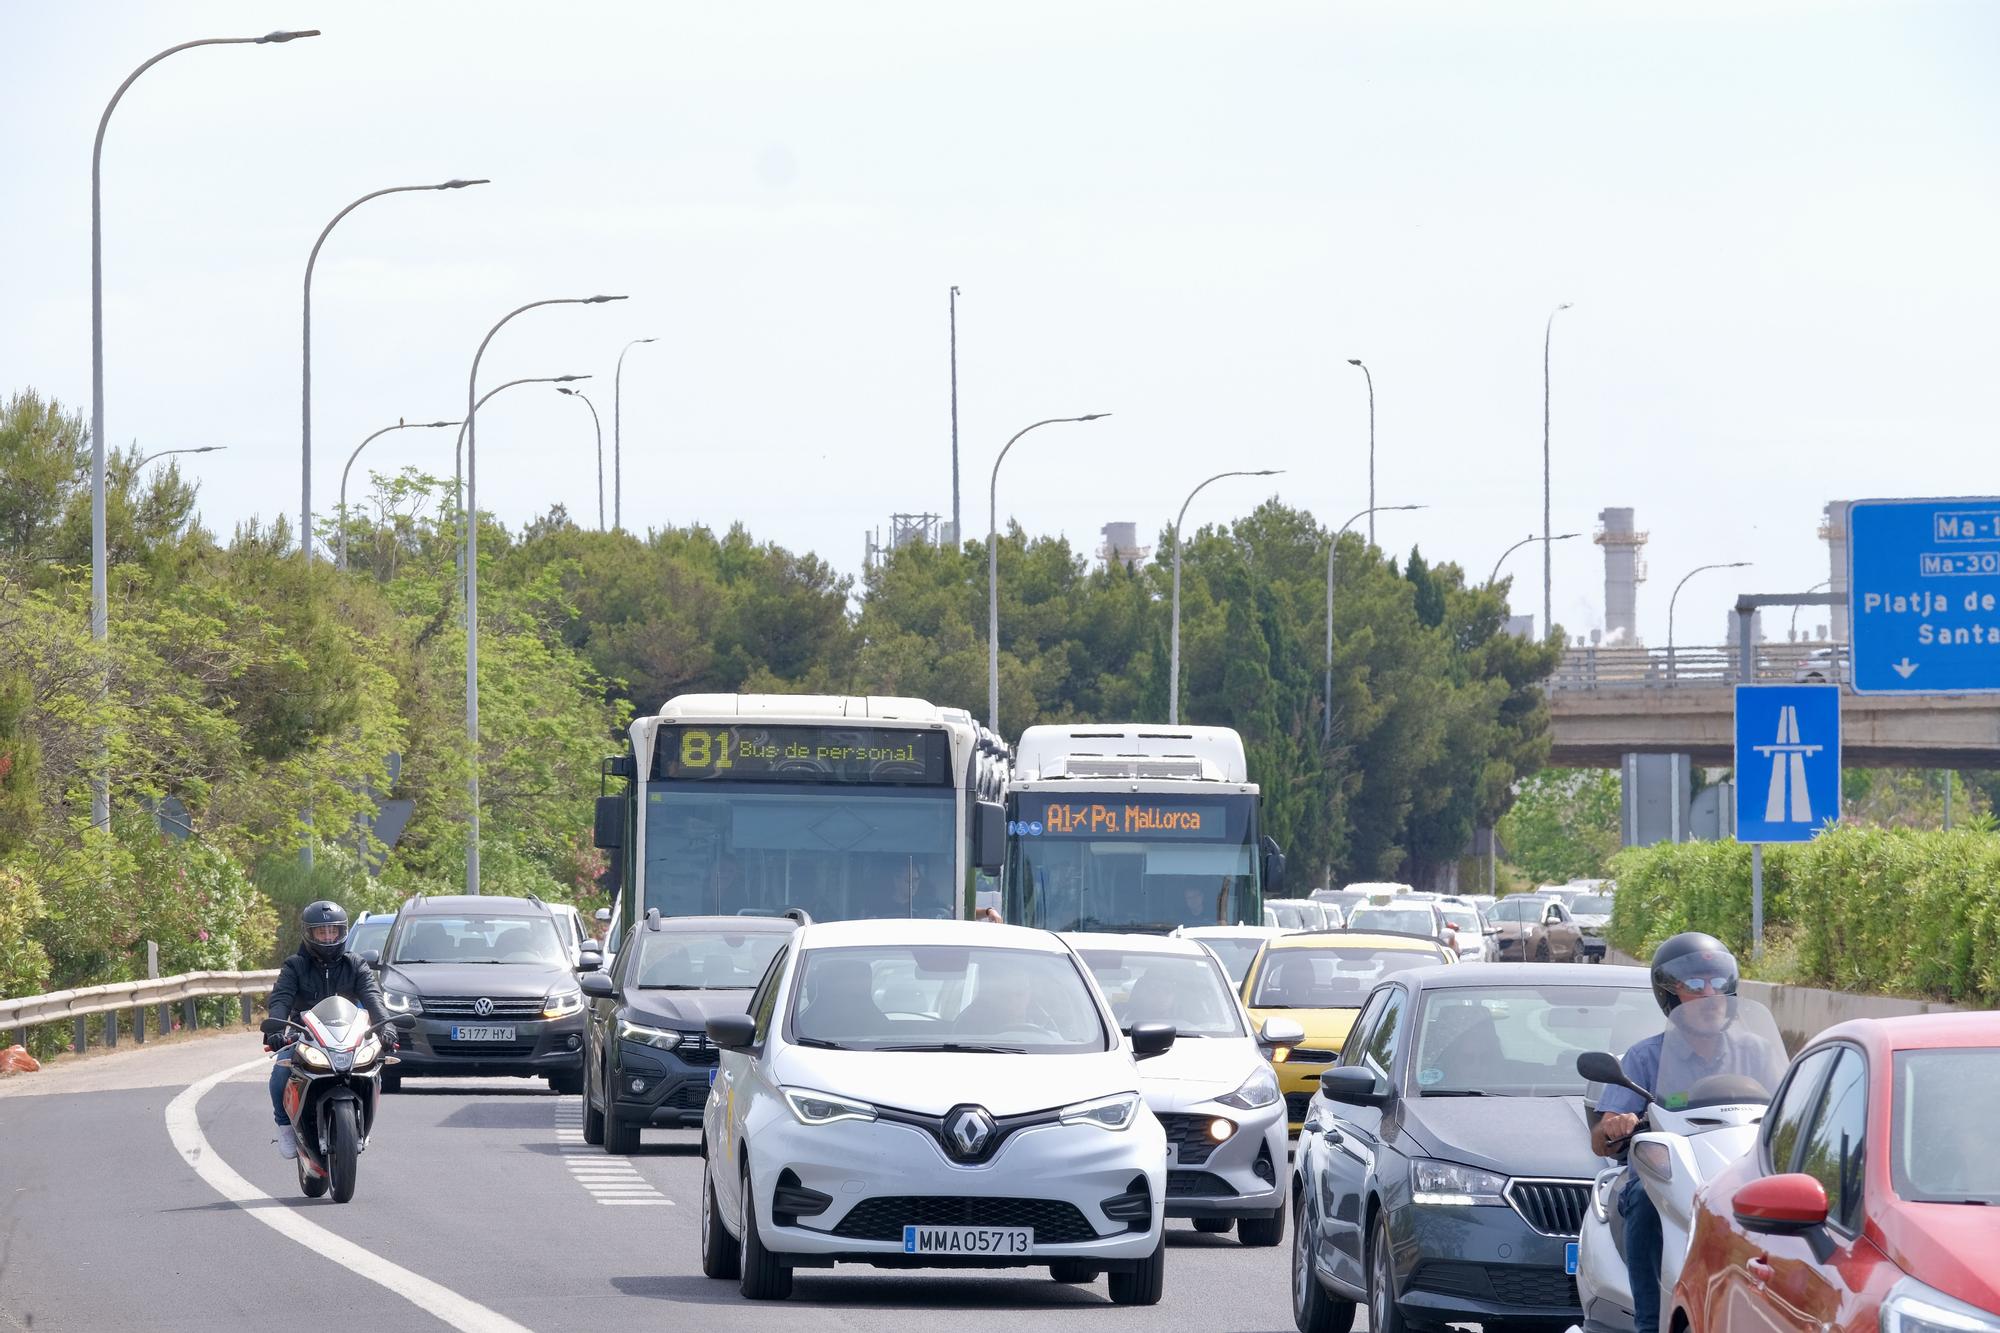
x,y
1775,223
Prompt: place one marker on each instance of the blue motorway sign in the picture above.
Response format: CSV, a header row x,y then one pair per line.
x,y
1787,761
1924,596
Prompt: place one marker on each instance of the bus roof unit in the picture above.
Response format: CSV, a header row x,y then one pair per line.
x,y
1130,750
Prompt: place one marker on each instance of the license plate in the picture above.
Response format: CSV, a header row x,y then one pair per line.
x,y
482,1034
968,1240
1569,1258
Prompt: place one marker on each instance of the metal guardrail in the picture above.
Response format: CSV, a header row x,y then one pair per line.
x,y
1695,667
114,998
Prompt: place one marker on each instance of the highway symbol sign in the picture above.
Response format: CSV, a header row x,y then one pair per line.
x,y
1924,596
1787,761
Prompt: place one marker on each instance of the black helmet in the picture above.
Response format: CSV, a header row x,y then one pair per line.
x,y
1692,959
325,925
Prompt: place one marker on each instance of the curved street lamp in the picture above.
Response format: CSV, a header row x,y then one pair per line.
x,y
1356,361
1673,669
993,566
578,393
617,439
1494,577
1174,670
1332,549
218,448
400,425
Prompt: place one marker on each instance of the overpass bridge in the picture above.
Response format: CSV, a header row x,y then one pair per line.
x,y
1606,703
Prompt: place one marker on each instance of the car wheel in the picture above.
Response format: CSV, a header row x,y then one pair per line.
x,y
1262,1233
1313,1311
1143,1284
1214,1226
763,1277
721,1254
593,1119
620,1136
1384,1315
1074,1270
1542,952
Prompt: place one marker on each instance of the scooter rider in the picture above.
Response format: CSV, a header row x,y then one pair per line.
x,y
321,968
1688,969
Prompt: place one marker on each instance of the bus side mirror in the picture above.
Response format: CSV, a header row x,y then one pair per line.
x,y
989,836
610,831
1274,865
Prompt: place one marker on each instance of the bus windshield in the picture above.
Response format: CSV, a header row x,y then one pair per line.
x,y
1146,861
717,848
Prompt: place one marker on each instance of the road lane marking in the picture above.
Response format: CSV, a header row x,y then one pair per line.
x,y
610,1180
440,1302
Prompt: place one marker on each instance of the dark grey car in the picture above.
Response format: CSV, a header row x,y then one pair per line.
x,y
1445,1164
492,988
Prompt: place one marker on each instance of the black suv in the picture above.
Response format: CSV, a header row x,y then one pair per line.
x,y
648,1060
490,982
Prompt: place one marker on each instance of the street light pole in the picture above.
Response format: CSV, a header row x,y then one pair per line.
x,y
578,393
1333,548
458,449
1494,577
100,617
472,573
617,437
1793,635
1548,560
1356,361
1174,647
305,353
993,566
1673,671
400,425
957,536
217,448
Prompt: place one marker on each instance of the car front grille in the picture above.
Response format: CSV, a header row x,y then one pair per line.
x,y
1189,1134
1197,1185
1296,1104
1499,1284
1552,1207
687,1097
481,1050
1311,1055
465,1006
697,1050
1052,1221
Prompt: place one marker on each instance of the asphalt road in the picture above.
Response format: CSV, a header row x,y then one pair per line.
x,y
478,1207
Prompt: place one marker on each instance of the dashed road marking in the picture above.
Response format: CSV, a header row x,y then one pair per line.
x,y
609,1180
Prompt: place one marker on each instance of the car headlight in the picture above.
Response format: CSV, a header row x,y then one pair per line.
x,y
402,1002
1260,1089
1448,1183
367,1052
664,1039
820,1108
563,1003
1114,1112
313,1056
1912,1307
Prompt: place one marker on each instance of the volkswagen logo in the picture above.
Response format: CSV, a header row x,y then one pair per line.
x,y
483,1007
968,1131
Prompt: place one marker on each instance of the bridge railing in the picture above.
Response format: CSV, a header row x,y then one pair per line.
x,y
140,997
1634,667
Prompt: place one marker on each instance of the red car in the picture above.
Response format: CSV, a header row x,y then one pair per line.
x,y
1871,1203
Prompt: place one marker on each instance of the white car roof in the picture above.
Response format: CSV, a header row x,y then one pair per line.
x,y
893,931
1084,939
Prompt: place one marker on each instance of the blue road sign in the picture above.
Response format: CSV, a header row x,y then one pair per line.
x,y
1787,761
1924,596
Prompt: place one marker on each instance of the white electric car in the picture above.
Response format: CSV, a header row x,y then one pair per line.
x,y
1214,1093
932,1094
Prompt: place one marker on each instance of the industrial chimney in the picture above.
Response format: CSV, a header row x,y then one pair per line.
x,y
1624,571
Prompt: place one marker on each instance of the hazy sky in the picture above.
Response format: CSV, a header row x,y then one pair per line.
x,y
1777,223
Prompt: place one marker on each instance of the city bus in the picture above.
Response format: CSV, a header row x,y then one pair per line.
x,y
840,806
1127,827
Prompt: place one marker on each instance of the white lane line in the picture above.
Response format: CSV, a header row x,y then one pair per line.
x,y
609,1180
613,1203
441,1302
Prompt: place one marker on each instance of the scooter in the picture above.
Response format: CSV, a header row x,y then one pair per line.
x,y
1720,1061
335,1085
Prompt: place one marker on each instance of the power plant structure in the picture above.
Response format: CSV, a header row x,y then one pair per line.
x,y
1624,571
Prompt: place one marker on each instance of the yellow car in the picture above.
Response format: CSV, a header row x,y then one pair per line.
x,y
1319,980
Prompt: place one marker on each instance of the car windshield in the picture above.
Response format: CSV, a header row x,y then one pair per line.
x,y
1591,904
1942,1101
1145,987
1518,910
1403,920
368,935
1292,915
704,959
480,939
1522,1041
1331,977
945,998
1236,953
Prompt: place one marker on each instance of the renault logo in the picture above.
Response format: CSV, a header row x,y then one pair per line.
x,y
483,1007
968,1130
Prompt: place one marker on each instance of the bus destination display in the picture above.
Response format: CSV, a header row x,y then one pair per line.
x,y
807,754
1135,816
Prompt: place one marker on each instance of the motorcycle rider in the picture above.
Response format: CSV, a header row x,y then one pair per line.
x,y
321,968
1696,970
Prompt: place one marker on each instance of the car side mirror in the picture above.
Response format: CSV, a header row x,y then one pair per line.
x,y
1281,1032
733,1032
1150,1039
1780,1205
372,957
1603,1067
403,1022
610,826
1273,859
989,836
1355,1086
596,984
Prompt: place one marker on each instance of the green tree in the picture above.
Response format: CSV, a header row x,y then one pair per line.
x,y
1564,824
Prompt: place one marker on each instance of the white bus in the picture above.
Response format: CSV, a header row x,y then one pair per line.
x,y
1127,827
842,806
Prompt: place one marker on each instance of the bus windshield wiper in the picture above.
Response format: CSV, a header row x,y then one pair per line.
x,y
958,1048
1451,1092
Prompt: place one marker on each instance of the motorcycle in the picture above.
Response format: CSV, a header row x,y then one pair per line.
x,y
335,1084
1720,1061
